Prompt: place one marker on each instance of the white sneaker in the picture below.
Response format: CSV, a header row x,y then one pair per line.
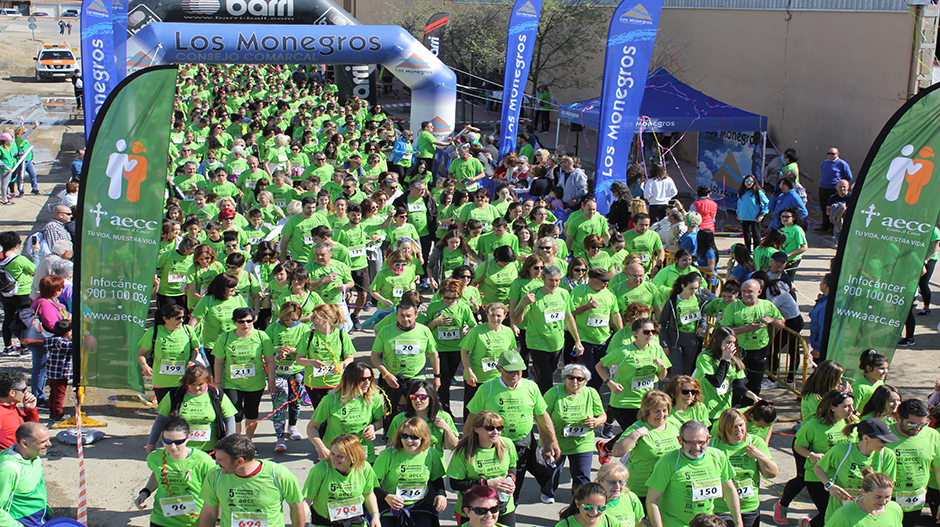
x,y
294,434
281,446
546,499
768,384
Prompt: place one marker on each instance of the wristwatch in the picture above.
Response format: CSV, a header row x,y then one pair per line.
x,y
827,485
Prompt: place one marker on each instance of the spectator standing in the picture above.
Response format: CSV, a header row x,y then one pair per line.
x,y
76,167
574,182
706,207
752,207
21,269
788,198
659,190
55,230
834,169
837,206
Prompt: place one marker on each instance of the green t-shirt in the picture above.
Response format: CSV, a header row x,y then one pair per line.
x,y
197,410
350,418
746,472
248,287
329,489
407,476
176,502
568,412
647,293
395,234
240,498
818,437
717,398
437,434
545,320
698,412
418,215
485,347
450,336
393,286
293,336
669,274
243,357
355,239
795,238
307,300
580,228
216,316
917,457
626,509
716,308
329,291
484,464
518,406
862,390
739,314
808,406
201,278
647,451
843,464
486,214
330,349
594,324
172,268
172,354
301,242
647,245
853,516
689,486
489,242
426,145
633,369
495,281
21,269
403,352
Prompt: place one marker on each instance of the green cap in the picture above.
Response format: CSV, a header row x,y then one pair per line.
x,y
511,361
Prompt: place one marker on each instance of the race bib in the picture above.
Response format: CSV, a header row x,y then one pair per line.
x,y
690,317
407,347
237,171
177,140
189,197
645,258
204,289
308,240
281,203
411,491
254,241
172,367
398,292
486,225
598,321
745,490
200,432
577,431
489,364
417,206
643,383
473,186
241,371
178,505
201,139
708,489
323,371
911,498
554,314
177,278
283,369
344,509
448,333
406,157
357,251
249,519
723,389
282,158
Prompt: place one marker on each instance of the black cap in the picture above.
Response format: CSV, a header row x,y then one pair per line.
x,y
874,427
779,255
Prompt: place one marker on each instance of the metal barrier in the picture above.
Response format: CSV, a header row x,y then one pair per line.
x,y
713,281
670,258
790,348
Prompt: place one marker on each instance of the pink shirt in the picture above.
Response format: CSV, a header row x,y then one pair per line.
x,y
708,209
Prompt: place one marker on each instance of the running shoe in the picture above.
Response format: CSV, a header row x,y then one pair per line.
x,y
546,499
602,455
281,446
805,522
357,325
607,432
780,513
923,312
295,434
906,342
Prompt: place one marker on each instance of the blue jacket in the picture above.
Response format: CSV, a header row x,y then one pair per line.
x,y
749,207
402,147
787,200
817,317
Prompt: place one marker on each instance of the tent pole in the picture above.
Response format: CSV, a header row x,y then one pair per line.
x,y
557,132
763,156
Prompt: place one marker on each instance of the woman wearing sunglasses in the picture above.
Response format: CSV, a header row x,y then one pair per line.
x,y
720,371
632,371
177,474
174,347
324,351
244,365
529,279
424,404
449,318
622,503
594,255
411,477
209,412
483,454
576,274
587,508
396,277
354,407
339,490
546,248
687,400
750,460
682,323
481,507
576,409
215,310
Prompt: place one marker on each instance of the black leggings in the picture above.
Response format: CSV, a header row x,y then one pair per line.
x,y
795,485
820,499
544,364
924,283
751,230
450,362
246,403
11,305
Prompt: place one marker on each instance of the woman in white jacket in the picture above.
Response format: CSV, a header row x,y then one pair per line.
x,y
660,188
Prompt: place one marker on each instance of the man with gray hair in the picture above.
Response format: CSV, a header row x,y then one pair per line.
x,y
573,181
689,480
329,278
61,250
489,147
63,269
545,312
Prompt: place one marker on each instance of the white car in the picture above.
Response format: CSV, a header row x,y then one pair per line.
x,y
10,12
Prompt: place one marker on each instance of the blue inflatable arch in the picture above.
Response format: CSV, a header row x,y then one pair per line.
x,y
433,85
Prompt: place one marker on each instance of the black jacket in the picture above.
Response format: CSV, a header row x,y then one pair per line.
x,y
429,203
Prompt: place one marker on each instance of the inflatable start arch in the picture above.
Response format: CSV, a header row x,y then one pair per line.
x,y
433,85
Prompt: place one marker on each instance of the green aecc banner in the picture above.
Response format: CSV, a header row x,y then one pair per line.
x,y
121,203
894,208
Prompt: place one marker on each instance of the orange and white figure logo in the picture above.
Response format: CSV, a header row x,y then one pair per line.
x,y
123,166
914,170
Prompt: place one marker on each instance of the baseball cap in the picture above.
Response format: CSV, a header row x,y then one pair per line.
x,y
779,255
5,136
511,361
872,427
599,274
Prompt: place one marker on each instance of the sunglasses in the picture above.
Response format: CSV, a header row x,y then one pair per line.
x,y
462,276
409,437
450,297
418,396
690,392
480,511
597,247
650,332
591,508
178,318
546,248
576,379
538,267
490,428
174,441
579,269
246,321
365,380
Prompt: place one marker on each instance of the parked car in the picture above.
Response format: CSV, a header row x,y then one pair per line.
x,y
10,12
40,13
70,13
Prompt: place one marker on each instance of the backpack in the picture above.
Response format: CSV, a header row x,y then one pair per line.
x,y
8,284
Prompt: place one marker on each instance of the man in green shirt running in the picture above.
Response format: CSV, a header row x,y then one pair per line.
x,y
689,480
